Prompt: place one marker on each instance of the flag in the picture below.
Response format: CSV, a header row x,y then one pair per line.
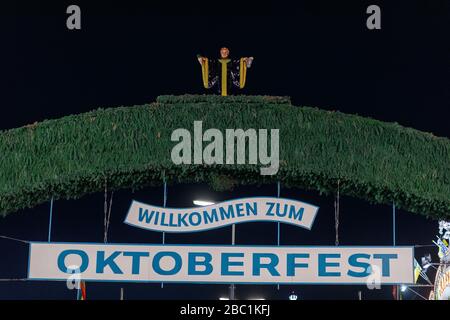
x,y
394,292
417,270
81,293
443,247
426,262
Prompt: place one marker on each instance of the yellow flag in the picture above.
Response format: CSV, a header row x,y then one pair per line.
x,y
417,270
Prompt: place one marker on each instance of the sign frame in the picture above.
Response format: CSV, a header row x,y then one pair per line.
x,y
364,282
310,215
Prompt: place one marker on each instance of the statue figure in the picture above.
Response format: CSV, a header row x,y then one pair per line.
x,y
224,72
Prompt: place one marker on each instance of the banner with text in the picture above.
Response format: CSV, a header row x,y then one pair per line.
x,y
221,264
221,214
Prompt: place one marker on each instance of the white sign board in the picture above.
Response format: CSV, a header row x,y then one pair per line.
x,y
221,214
221,264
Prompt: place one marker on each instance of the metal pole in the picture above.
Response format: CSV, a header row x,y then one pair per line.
x,y
232,291
121,293
164,205
233,234
359,295
393,223
394,243
278,225
233,242
420,285
415,292
50,220
79,291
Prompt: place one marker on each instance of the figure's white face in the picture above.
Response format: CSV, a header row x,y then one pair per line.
x,y
224,53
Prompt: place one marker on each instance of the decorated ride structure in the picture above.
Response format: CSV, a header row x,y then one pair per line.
x,y
441,289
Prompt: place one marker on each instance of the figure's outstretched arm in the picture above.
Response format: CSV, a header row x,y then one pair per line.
x,y
239,74
201,59
248,61
205,71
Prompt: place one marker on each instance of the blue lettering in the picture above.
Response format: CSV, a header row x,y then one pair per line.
x,y
157,260
156,218
385,266
102,262
323,264
292,265
163,219
136,260
239,210
278,210
62,260
143,214
193,263
270,266
353,261
269,210
296,215
210,218
226,214
171,223
226,264
191,218
252,208
182,219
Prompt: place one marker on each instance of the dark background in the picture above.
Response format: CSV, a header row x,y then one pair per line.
x,y
318,52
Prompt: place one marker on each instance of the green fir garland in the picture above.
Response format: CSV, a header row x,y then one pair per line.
x,y
129,147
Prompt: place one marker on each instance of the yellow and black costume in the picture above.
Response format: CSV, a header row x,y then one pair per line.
x,y
224,73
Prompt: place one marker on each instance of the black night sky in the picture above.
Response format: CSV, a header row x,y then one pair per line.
x,y
319,53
